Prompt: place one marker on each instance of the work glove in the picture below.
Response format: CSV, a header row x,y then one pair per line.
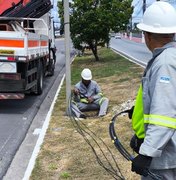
x,y
130,112
90,99
135,143
141,164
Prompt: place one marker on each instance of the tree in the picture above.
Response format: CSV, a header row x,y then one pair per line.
x,y
121,12
61,15
92,20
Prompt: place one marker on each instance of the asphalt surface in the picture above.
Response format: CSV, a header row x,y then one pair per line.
x,y
133,50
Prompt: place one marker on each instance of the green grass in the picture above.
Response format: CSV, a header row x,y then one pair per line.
x,y
65,175
110,64
64,153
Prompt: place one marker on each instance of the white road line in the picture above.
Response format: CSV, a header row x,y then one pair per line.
x,y
41,136
130,58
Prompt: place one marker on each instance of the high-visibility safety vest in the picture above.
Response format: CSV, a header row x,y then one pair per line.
x,y
140,116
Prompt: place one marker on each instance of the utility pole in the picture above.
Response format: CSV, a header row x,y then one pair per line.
x,y
67,50
144,8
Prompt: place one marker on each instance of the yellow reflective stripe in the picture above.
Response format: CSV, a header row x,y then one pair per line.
x,y
101,100
101,94
160,120
83,100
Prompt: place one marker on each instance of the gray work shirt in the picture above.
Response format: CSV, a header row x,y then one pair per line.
x,y
159,98
92,90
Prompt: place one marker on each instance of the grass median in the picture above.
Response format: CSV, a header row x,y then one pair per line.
x,y
64,153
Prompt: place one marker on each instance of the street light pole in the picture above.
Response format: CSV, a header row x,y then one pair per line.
x,y
144,6
67,50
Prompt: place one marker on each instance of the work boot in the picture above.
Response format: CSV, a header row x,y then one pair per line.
x,y
82,116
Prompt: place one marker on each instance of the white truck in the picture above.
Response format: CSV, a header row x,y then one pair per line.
x,y
27,48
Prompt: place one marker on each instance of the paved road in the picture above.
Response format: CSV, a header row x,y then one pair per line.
x,y
16,117
134,50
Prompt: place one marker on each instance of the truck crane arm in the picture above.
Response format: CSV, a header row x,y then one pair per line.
x,y
25,8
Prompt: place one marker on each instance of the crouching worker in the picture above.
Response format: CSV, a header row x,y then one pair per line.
x,y
88,96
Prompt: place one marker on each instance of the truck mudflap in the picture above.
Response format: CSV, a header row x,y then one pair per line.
x,y
11,96
11,83
12,86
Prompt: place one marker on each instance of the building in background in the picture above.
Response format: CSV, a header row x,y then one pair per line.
x,y
138,9
55,15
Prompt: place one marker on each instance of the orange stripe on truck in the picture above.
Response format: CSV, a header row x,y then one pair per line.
x,y
12,43
20,43
44,43
32,43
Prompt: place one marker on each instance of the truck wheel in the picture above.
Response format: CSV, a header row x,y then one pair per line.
x,y
52,63
39,88
51,72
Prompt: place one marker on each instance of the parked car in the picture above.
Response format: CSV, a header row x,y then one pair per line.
x,y
118,36
112,34
57,34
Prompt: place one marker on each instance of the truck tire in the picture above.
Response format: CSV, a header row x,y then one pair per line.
x,y
52,62
39,88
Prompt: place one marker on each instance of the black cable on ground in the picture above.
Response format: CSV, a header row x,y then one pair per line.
x,y
90,137
120,147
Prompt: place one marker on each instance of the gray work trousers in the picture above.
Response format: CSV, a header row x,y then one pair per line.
x,y
79,107
166,174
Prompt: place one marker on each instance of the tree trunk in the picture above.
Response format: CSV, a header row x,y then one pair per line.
x,y
94,51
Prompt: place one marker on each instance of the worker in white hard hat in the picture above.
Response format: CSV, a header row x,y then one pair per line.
x,y
154,115
88,96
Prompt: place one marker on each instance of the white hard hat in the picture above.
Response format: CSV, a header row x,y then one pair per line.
x,y
86,74
160,18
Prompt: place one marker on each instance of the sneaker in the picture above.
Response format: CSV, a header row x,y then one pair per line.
x,y
102,115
